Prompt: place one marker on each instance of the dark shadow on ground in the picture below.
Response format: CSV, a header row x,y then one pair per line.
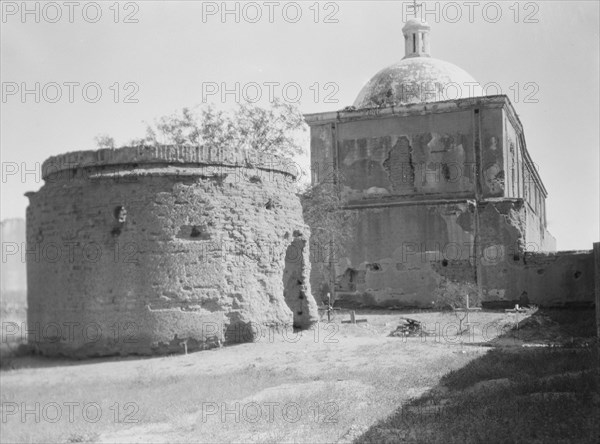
x,y
535,385
16,357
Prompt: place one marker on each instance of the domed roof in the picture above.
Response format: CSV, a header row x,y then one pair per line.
x,y
418,77
417,80
415,23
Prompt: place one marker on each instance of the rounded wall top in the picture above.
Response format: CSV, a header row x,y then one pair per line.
x,y
188,156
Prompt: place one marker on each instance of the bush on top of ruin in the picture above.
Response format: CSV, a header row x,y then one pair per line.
x,y
273,130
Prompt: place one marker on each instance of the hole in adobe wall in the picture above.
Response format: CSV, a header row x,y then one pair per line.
x,y
120,214
270,204
193,232
577,274
516,258
445,263
299,313
255,179
541,271
446,172
373,267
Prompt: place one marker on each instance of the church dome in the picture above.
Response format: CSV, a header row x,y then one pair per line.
x,y
418,77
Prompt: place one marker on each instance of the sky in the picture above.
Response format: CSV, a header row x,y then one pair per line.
x,y
108,67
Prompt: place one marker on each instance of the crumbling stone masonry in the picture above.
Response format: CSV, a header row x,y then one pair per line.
x,y
145,250
448,204
447,199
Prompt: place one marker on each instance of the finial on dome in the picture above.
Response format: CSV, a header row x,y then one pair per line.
x,y
416,35
415,6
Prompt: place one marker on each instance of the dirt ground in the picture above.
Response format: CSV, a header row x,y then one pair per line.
x,y
329,384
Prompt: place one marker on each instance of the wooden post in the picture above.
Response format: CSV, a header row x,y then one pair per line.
x,y
331,270
352,317
467,312
328,307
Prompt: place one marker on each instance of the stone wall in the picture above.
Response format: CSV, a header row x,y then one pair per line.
x,y
140,250
556,279
448,203
408,256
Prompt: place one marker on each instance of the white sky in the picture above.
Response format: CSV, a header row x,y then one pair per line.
x,y
173,50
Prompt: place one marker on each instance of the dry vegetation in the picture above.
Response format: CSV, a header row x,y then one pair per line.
x,y
339,383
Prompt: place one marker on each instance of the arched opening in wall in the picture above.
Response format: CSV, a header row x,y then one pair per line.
x,y
293,281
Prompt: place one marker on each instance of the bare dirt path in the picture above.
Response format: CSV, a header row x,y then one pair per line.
x,y
325,385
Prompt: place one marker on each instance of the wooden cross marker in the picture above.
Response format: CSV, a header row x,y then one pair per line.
x,y
466,310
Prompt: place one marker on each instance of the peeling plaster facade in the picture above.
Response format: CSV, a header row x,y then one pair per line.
x,y
446,195
447,198
141,250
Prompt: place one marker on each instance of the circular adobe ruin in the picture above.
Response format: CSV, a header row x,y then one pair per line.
x,y
144,250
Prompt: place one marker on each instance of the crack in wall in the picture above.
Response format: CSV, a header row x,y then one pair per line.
x,y
399,166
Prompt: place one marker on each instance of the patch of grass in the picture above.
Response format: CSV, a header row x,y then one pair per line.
x,y
548,395
516,365
576,323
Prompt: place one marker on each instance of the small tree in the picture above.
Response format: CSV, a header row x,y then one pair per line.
x,y
331,224
272,130
104,141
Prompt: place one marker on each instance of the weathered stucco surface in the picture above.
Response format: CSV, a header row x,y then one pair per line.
x,y
408,255
161,246
557,279
449,203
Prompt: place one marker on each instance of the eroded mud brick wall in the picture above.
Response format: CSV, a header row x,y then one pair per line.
x,y
447,199
139,250
555,279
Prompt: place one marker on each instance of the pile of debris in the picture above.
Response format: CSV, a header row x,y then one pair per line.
x,y
409,327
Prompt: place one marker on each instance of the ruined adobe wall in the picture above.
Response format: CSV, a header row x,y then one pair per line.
x,y
413,174
523,181
408,256
552,279
408,185
396,156
137,250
